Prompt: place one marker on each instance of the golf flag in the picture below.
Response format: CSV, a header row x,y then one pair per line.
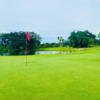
x,y
28,36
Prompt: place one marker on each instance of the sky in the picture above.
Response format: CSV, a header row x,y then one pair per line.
x,y
50,18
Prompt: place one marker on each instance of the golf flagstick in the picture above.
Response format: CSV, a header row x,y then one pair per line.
x,y
27,38
26,49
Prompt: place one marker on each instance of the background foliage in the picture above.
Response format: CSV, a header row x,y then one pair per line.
x,y
15,42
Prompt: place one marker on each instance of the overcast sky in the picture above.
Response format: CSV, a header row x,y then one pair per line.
x,y
50,18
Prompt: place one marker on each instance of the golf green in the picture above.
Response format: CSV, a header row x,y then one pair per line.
x,y
74,76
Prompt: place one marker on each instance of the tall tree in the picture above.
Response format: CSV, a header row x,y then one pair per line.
x,y
81,39
15,42
61,40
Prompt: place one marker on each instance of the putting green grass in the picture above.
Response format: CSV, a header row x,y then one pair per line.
x,y
74,76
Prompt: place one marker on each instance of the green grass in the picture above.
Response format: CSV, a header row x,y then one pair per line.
x,y
74,76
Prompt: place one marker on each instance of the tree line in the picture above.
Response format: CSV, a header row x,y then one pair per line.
x,y
15,42
77,39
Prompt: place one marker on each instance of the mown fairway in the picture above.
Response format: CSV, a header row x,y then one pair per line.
x,y
73,76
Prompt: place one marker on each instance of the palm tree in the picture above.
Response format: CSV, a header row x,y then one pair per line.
x,y
61,40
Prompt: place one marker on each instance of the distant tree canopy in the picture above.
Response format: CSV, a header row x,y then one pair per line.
x,y
15,42
81,39
77,39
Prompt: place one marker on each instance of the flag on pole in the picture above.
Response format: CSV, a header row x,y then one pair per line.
x,y
28,36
